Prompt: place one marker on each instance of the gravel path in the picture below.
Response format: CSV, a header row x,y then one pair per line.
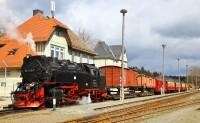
x,y
189,114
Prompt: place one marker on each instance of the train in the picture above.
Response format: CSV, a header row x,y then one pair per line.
x,y
136,84
46,78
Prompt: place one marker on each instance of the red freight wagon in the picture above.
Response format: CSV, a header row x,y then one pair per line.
x,y
150,82
131,79
144,81
171,86
183,87
113,79
141,80
178,86
158,86
113,76
146,84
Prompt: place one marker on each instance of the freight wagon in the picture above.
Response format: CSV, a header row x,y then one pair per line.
x,y
113,81
136,84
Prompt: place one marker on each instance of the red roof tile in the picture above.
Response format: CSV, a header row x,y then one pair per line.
x,y
41,28
14,59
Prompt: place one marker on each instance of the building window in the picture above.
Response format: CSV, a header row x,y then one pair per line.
x,y
3,84
81,57
52,51
88,59
59,32
78,57
84,56
62,53
70,51
57,52
73,55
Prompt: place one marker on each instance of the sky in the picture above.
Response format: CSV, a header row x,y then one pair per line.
x,y
148,25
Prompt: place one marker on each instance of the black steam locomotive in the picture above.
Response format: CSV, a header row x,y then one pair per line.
x,y
44,78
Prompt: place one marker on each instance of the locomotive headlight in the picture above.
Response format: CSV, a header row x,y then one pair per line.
x,y
86,84
32,84
74,77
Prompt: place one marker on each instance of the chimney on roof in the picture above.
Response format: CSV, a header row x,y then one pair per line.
x,y
35,11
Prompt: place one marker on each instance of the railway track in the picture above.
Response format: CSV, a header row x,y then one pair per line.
x,y
145,100
133,113
12,111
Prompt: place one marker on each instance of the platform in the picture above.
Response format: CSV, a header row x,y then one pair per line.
x,y
5,102
67,113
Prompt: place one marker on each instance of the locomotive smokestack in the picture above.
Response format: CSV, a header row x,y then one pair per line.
x,y
53,8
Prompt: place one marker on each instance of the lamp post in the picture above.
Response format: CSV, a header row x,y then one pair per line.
x,y
196,80
187,77
179,80
163,70
192,78
123,11
5,76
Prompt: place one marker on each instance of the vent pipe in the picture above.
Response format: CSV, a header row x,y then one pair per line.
x,y
53,8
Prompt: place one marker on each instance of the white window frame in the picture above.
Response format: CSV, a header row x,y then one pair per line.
x,y
3,84
57,49
81,58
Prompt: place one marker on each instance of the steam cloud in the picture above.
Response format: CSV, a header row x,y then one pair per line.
x,y
85,100
29,40
10,29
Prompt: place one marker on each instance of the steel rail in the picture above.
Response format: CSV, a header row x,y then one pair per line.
x,y
135,112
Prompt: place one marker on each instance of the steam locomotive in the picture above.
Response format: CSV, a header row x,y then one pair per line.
x,y
45,78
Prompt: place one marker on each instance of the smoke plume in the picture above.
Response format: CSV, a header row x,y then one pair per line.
x,y
10,29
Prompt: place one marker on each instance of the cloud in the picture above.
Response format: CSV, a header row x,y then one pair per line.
x,y
186,28
148,24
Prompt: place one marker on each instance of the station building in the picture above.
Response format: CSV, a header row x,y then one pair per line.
x,y
109,55
50,37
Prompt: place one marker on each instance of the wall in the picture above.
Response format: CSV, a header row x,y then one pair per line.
x,y
68,52
104,62
81,57
58,41
125,61
13,77
108,62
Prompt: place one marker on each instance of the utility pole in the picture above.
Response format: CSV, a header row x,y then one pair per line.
x,y
196,81
123,11
5,76
163,70
179,79
187,77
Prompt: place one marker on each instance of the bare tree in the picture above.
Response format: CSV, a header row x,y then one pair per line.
x,y
194,75
84,35
87,37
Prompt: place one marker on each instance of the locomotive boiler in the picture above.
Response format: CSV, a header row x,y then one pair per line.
x,y
45,78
